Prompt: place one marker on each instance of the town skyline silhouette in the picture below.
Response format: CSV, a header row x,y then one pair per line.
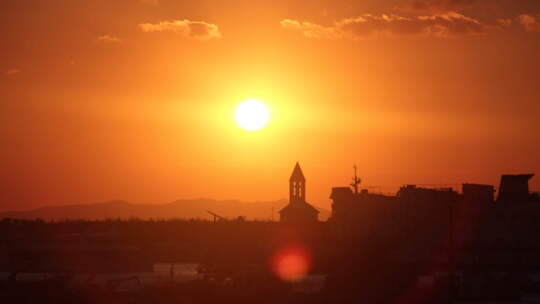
x,y
285,151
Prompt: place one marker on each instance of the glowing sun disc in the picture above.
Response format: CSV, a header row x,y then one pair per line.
x,y
252,115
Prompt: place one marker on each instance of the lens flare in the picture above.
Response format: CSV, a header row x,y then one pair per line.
x,y
291,263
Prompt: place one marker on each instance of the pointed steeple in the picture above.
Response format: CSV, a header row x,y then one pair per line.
x,y
297,185
298,210
297,174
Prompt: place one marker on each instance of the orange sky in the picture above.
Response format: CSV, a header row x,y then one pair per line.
x,y
134,99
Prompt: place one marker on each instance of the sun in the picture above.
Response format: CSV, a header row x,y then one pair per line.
x,y
252,115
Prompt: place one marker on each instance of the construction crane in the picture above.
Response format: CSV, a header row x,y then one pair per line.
x,y
216,216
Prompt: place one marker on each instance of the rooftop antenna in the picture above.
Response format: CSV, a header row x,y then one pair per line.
x,y
356,181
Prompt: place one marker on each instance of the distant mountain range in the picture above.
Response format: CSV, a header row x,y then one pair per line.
x,y
185,209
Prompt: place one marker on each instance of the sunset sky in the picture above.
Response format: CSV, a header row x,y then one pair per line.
x,y
135,99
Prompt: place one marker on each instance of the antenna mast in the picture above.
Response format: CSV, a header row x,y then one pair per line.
x,y
356,181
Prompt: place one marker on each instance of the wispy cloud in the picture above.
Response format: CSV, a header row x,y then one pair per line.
x,y
438,6
312,30
199,30
12,72
108,39
504,22
449,24
530,23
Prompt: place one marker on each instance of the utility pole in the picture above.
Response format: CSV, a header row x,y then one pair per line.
x,y
356,181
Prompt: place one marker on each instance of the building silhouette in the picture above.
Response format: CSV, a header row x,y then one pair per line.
x,y
298,210
514,188
480,194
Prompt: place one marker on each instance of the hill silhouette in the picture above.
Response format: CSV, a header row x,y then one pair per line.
x,y
186,209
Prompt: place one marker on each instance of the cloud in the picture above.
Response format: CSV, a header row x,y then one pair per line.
x,y
199,30
449,24
311,30
445,5
108,39
530,23
12,72
504,22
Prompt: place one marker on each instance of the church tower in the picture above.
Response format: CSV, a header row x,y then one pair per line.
x,y
297,186
298,211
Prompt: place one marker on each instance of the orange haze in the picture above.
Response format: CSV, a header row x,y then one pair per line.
x,y
134,99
